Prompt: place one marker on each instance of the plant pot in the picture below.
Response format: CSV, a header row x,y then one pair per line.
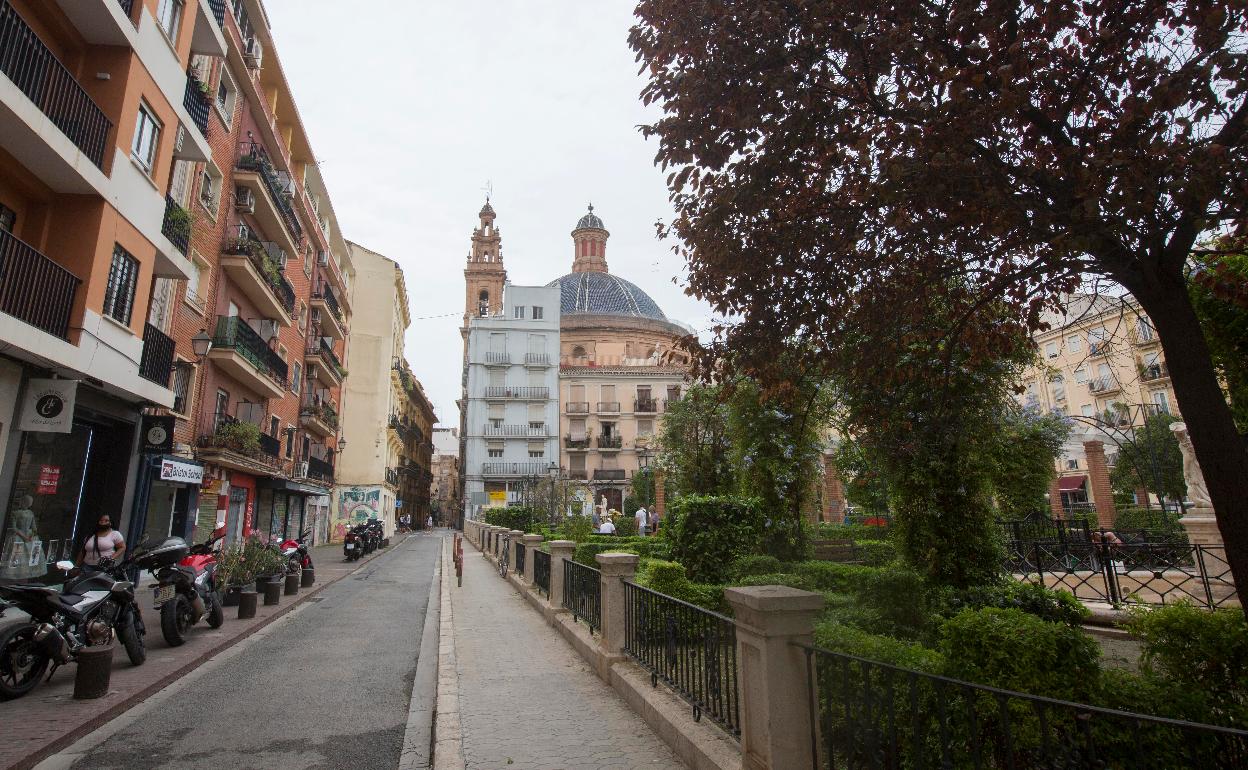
x,y
272,593
246,602
308,578
292,584
230,599
264,580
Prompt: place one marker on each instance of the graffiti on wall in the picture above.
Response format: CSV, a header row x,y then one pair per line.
x,y
356,505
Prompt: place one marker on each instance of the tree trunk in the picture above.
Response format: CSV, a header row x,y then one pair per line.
x,y
1219,448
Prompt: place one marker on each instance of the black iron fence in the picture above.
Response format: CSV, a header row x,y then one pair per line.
x,y
35,70
233,333
520,556
195,99
156,362
541,572
33,288
218,11
691,650
253,157
866,714
127,7
582,593
176,225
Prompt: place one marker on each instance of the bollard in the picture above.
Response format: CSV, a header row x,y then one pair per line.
x,y
247,604
308,577
272,593
95,671
292,584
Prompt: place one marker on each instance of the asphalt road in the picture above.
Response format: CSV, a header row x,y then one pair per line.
x,y
326,687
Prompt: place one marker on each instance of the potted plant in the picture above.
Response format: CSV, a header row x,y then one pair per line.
x,y
241,437
233,572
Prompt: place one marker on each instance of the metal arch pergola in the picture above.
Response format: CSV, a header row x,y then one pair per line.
x,y
1124,435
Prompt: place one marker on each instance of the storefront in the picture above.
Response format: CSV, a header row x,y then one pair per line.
x,y
166,499
285,509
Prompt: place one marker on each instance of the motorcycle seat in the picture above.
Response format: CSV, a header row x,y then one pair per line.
x,y
70,599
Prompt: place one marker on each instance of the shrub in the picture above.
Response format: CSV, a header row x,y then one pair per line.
x,y
669,577
876,553
1044,603
576,528
519,517
709,532
898,599
839,637
831,576
760,564
625,526
1011,649
776,579
855,532
1200,650
585,552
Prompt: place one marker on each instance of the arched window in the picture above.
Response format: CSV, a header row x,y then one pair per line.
x,y
578,352
483,303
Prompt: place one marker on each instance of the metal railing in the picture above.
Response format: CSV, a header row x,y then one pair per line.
x,y
609,474
514,431
392,477
576,443
127,7
270,445
646,405
319,469
536,359
195,99
541,571
317,347
691,650
233,333
1103,384
176,225
156,362
33,288
253,157
325,293
1154,372
522,392
867,714
582,593
610,442
520,556
608,407
497,357
270,269
218,11
577,407
39,74
513,469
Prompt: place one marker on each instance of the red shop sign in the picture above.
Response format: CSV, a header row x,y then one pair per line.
x,y
49,480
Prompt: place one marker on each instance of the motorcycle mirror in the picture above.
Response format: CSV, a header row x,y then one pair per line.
x,y
65,565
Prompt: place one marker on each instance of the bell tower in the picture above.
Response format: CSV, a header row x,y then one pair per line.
x,y
590,244
484,275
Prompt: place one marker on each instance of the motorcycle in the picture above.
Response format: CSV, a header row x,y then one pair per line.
x,y
87,610
353,544
375,532
186,587
296,553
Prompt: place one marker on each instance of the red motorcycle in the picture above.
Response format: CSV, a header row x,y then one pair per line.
x,y
186,588
296,552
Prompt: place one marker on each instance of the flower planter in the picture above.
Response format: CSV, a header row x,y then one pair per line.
x,y
230,599
292,584
246,602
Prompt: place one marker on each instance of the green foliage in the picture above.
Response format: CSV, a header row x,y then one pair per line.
x,y
790,579
876,553
1198,649
576,528
585,552
843,638
693,444
239,436
708,533
831,576
1011,649
232,570
1159,522
1224,322
898,599
1151,459
855,532
754,565
667,577
1022,457
524,518
641,491
1046,604
865,487
625,526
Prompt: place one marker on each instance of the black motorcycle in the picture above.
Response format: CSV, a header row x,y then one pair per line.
x,y
353,544
87,610
186,584
376,532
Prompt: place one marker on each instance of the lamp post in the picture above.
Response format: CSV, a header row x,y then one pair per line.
x,y
553,471
201,343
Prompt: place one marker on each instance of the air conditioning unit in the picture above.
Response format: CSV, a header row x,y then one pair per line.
x,y
253,53
279,256
244,200
322,258
303,470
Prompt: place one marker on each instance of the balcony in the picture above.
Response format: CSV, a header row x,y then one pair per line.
x,y
176,225
1101,348
319,418
608,407
536,360
246,357
514,469
497,358
576,444
320,470
241,446
127,7
392,476
273,191
610,443
1154,372
609,474
513,431
196,99
156,364
578,475
518,393
646,406
325,305
38,74
576,407
259,276
328,368
34,289
1143,337
1104,384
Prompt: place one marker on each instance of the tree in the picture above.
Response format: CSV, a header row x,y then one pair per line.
x,y
831,161
1022,458
1151,460
1219,289
865,485
693,443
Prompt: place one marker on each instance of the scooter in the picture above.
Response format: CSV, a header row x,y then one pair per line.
x,y
296,552
375,533
86,611
353,544
186,588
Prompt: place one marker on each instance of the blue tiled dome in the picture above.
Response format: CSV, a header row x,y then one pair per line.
x,y
590,220
604,294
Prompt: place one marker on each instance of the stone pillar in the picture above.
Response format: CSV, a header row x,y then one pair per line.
x,y
1098,479
775,690
560,551
615,569
1055,499
512,557
834,506
531,544
1202,529
660,494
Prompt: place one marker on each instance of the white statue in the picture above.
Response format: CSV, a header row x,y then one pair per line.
x,y
1197,492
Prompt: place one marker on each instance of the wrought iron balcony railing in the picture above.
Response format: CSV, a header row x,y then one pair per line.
x,y
195,99
521,392
177,225
577,407
608,407
253,157
33,288
233,333
609,474
646,406
156,363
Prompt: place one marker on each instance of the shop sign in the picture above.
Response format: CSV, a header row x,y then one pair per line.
x,y
48,406
187,473
498,499
398,503
49,479
158,434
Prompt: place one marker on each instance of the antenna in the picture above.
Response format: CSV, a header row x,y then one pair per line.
x,y
489,190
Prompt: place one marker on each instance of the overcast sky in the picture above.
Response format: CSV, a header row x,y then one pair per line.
x,y
414,106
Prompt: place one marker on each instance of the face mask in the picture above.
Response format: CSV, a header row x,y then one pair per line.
x,y
102,528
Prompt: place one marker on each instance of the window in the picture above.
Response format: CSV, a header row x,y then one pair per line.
x,y
290,441
520,311
578,352
1072,464
537,424
183,376
1073,343
536,454
195,282
303,317
1081,375
1163,403
275,425
1059,387
537,313
210,189
146,137
227,96
168,14
1144,329
1050,349
496,453
1087,410
645,427
123,275
483,303
496,422
8,218
223,404
296,374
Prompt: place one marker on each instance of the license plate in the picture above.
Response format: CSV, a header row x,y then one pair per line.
x,y
350,546
164,594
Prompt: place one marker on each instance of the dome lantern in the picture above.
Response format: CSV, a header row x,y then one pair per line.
x,y
590,244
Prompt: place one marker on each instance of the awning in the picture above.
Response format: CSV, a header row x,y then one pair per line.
x,y
1071,483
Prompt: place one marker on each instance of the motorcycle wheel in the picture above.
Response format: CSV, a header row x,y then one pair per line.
x,y
22,663
175,620
132,640
216,615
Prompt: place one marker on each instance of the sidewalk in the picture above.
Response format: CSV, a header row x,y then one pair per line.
x,y
527,700
48,719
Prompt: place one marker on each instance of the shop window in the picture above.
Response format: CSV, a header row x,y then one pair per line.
x,y
123,276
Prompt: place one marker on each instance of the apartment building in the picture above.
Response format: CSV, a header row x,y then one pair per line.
x,y
98,111
384,468
511,405
1101,364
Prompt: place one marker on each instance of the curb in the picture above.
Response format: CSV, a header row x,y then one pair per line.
x,y
117,709
448,734
417,750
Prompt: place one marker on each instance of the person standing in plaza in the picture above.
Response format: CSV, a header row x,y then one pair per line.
x,y
643,520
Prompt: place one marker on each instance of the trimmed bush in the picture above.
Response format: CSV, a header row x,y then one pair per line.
x,y
856,532
585,552
898,599
576,528
876,553
777,579
831,576
519,517
708,533
1044,603
1011,649
669,577
839,637
755,565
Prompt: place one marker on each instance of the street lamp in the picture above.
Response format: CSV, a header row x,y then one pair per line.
x,y
643,457
553,471
201,343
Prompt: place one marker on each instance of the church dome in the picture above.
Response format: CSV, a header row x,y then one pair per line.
x,y
604,294
590,220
